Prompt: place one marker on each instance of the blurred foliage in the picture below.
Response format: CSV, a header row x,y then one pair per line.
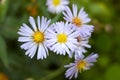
x,y
105,41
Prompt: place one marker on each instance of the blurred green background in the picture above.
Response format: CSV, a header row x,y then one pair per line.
x,y
105,41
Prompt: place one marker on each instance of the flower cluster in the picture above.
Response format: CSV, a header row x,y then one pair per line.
x,y
70,37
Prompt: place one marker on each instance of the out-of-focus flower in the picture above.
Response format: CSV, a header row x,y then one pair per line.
x,y
56,6
61,38
3,76
2,2
98,26
79,19
108,28
34,38
33,10
80,64
33,1
29,78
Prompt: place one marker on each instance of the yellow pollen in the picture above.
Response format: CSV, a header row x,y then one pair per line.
x,y
38,37
81,65
56,2
62,38
77,21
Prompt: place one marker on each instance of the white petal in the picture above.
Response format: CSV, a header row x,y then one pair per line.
x,y
70,72
79,56
81,11
46,25
31,52
24,34
66,49
71,46
76,74
70,65
43,20
51,32
91,58
50,42
41,52
24,39
27,29
26,45
46,49
75,10
68,11
32,22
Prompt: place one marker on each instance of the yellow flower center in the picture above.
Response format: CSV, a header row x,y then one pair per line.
x,y
56,2
77,21
38,37
81,65
62,38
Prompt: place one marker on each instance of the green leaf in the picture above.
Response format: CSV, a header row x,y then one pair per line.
x,y
101,11
44,9
113,73
3,53
104,61
3,9
104,42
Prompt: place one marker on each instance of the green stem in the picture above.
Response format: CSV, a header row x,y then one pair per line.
x,y
43,8
56,18
54,74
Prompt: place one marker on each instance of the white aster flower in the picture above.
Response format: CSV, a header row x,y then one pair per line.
x,y
82,45
56,6
61,38
34,37
80,64
79,19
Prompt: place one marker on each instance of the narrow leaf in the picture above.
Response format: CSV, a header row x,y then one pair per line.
x,y
3,52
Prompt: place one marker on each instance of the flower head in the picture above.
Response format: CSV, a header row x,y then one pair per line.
x,y
82,45
61,38
56,6
79,19
34,39
80,64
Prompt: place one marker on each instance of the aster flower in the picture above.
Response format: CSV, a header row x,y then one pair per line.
x,y
61,38
82,45
79,19
56,6
80,64
34,38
